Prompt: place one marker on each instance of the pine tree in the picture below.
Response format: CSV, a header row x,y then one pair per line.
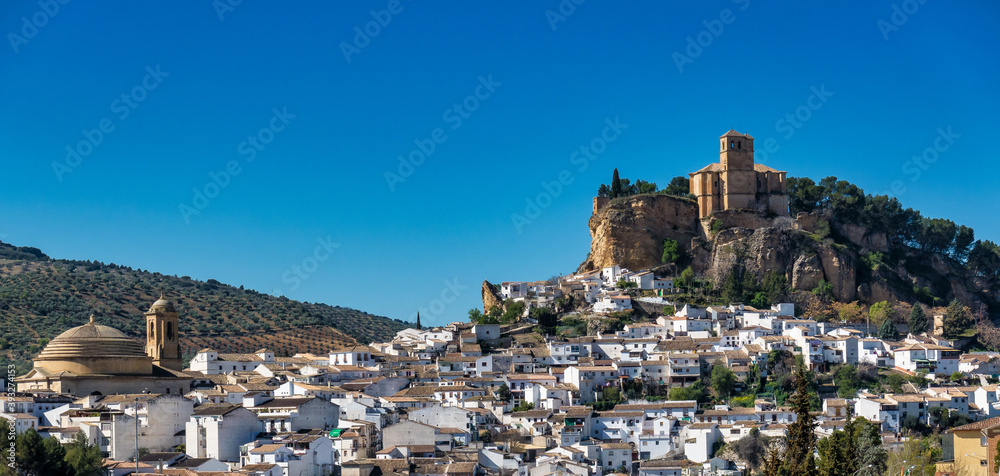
x,y
616,185
956,320
38,457
5,470
887,331
83,457
55,458
918,320
872,457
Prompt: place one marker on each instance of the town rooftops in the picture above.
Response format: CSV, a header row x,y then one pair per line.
x,y
214,409
979,425
265,449
286,402
662,405
532,414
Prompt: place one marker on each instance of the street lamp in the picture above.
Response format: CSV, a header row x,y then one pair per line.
x,y
144,391
862,469
901,464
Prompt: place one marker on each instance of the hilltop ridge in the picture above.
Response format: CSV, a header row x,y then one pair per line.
x,y
41,297
859,262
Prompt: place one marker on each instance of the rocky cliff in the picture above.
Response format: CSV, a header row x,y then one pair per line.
x,y
808,249
491,296
630,231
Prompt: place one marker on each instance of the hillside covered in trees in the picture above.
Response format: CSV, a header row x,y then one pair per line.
x,y
41,297
839,247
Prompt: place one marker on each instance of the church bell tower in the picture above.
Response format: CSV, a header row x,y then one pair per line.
x,y
162,340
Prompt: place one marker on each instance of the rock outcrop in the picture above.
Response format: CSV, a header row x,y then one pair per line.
x,y
491,297
630,231
809,249
804,261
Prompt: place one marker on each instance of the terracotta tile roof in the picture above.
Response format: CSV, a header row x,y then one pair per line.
x,y
979,425
262,449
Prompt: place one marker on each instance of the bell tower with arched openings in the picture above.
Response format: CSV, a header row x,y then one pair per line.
x,y
737,183
737,151
162,339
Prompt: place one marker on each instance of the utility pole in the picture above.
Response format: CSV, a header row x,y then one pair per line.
x,y
137,434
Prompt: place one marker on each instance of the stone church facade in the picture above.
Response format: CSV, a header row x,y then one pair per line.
x,y
737,183
95,359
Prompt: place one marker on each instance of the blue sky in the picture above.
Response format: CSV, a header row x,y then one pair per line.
x,y
287,121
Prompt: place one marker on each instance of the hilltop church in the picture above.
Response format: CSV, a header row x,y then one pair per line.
x,y
95,359
737,183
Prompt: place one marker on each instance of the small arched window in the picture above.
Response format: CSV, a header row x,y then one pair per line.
x,y
739,145
170,331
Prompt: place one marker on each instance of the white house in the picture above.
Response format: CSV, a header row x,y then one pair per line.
x,y
298,454
211,362
699,439
613,303
589,379
218,430
879,410
296,413
615,455
513,289
359,355
642,280
663,285
936,359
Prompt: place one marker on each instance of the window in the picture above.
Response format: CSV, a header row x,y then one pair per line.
x,y
170,331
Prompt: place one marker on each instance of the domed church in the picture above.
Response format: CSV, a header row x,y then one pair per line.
x,y
96,359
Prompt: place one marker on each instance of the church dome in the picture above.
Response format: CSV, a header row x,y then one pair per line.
x,y
94,348
162,304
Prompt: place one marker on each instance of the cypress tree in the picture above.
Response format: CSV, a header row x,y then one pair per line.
x,y
418,321
799,459
918,320
616,185
887,330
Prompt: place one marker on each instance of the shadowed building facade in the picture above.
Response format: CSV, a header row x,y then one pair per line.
x,y
737,183
97,359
